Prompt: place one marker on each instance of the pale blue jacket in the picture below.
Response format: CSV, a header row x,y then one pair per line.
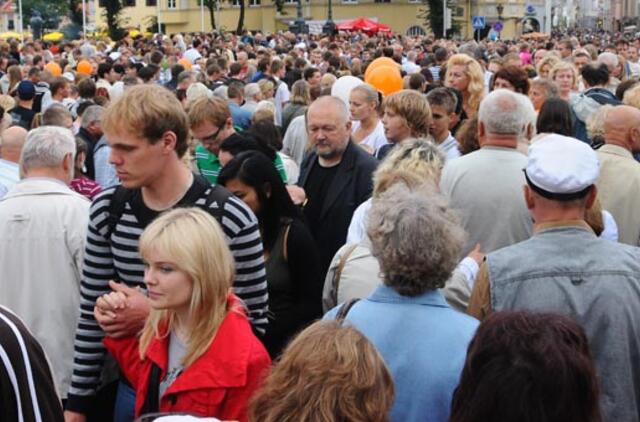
x,y
423,342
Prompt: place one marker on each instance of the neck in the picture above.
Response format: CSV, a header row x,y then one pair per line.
x,y
550,215
182,325
618,140
169,187
369,122
26,104
10,155
441,137
51,173
495,140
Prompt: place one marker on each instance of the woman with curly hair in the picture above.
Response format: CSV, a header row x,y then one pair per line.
x,y
466,75
512,78
417,240
328,373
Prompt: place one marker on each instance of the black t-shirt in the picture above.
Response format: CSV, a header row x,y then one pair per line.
x,y
317,186
22,116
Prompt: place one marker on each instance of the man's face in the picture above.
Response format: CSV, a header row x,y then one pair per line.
x,y
396,128
137,162
563,50
315,79
440,123
632,54
209,135
539,56
328,130
580,62
316,57
242,58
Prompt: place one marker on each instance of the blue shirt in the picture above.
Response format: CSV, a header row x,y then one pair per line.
x,y
241,117
423,342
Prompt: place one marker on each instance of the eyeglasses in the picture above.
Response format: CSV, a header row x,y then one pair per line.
x,y
208,140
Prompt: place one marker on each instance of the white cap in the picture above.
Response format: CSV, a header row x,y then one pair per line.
x,y
560,165
69,76
115,56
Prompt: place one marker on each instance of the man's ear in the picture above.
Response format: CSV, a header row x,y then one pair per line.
x,y
169,141
591,197
528,197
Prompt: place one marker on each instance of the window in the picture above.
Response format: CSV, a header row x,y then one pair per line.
x,y
11,26
171,4
415,30
129,3
254,2
151,2
383,1
349,1
290,1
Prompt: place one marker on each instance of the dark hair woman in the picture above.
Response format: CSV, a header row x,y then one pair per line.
x,y
526,367
292,260
555,117
512,78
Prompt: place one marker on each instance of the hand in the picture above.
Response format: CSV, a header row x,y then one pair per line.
x,y
125,321
297,194
476,254
70,416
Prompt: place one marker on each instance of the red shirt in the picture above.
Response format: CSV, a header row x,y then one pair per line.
x,y
219,383
85,186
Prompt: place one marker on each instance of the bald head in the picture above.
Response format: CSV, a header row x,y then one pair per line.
x,y
622,127
329,129
333,105
12,140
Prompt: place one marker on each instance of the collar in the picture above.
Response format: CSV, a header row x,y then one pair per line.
x,y
386,294
40,186
616,150
204,154
224,364
579,224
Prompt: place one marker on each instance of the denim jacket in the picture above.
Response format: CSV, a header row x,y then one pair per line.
x,y
423,342
568,270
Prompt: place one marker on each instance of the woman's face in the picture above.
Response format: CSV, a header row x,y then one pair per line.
x,y
537,96
544,71
564,79
245,192
501,83
457,78
358,106
168,287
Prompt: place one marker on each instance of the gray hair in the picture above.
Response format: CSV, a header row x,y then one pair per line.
x,y
92,114
325,100
251,90
55,115
609,59
47,146
415,237
505,112
549,86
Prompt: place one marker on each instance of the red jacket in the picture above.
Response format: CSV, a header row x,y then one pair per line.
x,y
219,383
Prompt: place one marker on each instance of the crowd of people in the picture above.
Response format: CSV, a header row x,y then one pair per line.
x,y
255,228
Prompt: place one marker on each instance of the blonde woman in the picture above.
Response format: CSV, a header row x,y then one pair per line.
x,y
329,373
466,75
546,64
565,75
367,129
197,352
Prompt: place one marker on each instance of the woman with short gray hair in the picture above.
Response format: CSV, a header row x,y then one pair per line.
x,y
416,239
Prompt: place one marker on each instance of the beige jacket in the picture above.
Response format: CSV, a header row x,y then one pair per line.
x,y
43,226
619,190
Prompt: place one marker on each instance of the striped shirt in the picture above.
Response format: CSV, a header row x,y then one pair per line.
x,y
27,392
119,260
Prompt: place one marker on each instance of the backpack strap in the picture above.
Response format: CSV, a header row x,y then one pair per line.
x,y
152,399
344,309
119,199
335,281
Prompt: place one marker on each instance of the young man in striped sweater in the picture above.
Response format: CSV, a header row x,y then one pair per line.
x,y
147,132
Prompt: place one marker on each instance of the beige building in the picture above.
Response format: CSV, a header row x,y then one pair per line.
x,y
186,16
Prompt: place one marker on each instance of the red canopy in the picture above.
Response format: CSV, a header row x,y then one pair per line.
x,y
363,24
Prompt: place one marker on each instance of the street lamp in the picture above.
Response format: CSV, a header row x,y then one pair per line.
x,y
329,27
299,26
500,9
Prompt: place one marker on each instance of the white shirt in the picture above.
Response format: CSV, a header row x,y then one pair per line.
x,y
281,98
192,54
410,67
375,139
449,147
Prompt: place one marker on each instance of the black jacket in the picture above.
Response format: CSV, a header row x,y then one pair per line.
x,y
351,186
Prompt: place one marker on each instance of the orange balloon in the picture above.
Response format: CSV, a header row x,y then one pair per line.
x,y
186,63
54,68
385,79
380,61
84,67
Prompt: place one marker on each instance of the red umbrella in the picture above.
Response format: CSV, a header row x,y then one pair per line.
x,y
363,24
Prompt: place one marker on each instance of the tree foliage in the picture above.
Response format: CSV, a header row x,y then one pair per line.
x,y
75,11
112,14
51,12
432,17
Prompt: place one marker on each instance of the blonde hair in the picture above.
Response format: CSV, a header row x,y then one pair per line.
x,y
595,122
327,81
473,71
266,86
328,373
196,244
412,162
559,67
632,97
548,60
148,111
204,109
413,107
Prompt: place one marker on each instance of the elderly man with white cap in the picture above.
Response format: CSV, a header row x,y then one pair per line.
x,y
565,268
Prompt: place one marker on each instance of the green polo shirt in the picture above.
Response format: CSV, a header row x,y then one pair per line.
x,y
209,165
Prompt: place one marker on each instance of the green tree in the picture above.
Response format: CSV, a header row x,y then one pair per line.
x,y
50,11
240,18
432,17
112,14
75,11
